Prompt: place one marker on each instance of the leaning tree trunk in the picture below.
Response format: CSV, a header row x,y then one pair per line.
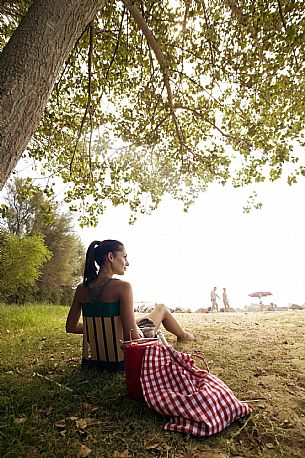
x,y
29,66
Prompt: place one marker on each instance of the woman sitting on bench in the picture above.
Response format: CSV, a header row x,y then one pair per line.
x,y
107,307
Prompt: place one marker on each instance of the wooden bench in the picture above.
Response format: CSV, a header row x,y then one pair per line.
x,y
102,336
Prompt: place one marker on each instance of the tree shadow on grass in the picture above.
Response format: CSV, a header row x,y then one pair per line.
x,y
41,418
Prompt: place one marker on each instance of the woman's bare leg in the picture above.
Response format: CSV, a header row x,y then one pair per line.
x,y
161,314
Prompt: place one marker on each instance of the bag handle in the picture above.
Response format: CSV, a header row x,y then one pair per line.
x,y
192,370
197,354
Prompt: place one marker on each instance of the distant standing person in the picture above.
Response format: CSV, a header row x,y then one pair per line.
x,y
214,296
225,300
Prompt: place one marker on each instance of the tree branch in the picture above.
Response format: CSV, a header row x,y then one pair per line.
x,y
285,28
200,115
207,28
243,20
56,86
89,102
114,52
140,21
88,108
117,44
224,134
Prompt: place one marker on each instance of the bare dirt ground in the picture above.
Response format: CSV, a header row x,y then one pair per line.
x,y
261,357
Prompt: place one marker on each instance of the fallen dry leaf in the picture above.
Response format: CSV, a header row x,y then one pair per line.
x,y
286,424
81,423
209,453
19,421
269,445
84,451
60,424
153,446
124,454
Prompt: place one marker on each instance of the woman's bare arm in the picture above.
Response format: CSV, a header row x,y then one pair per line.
x,y
127,313
72,324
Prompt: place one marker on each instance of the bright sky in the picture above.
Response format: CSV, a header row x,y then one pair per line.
x,y
177,258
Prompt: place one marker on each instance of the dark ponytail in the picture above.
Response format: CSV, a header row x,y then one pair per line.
x,y
90,271
96,256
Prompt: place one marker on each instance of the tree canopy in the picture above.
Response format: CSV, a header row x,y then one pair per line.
x,y
21,261
169,96
28,215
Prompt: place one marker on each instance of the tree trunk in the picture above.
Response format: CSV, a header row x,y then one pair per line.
x,y
29,66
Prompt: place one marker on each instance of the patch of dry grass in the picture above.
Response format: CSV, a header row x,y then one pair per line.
x,y
260,356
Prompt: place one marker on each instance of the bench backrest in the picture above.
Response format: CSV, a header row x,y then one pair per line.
x,y
102,336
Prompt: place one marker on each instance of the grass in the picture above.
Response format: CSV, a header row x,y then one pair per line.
x,y
52,408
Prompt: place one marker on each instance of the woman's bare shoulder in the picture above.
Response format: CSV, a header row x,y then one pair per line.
x,y
121,284
80,292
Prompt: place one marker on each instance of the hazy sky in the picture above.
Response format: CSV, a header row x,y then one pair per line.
x,y
177,257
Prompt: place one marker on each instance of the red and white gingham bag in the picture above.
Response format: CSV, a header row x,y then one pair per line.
x,y
197,402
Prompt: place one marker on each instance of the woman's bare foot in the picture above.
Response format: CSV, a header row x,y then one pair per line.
x,y
187,337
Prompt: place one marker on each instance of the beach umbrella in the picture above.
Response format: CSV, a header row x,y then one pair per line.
x,y
260,294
